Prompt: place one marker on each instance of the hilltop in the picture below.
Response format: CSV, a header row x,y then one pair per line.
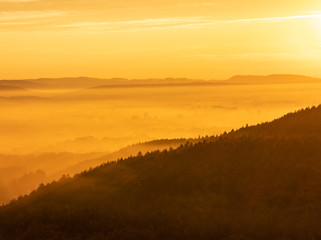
x,y
97,83
259,182
21,174
302,123
272,79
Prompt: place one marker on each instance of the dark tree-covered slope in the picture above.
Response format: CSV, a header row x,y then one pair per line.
x,y
303,123
235,186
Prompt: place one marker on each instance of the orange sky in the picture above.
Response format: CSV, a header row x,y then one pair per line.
x,y
159,38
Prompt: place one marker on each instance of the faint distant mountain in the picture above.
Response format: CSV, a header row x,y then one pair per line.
x,y
22,98
10,88
20,174
166,81
15,168
77,82
156,85
21,84
272,79
87,144
61,83
130,150
96,83
84,82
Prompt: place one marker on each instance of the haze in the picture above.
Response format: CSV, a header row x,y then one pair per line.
x,y
169,38
155,74
51,127
85,115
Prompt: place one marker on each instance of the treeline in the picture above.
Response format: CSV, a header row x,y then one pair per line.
x,y
304,122
231,186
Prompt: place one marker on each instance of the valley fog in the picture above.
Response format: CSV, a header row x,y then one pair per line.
x,y
104,120
50,132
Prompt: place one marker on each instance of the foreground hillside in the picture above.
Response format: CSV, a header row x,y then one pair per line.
x,y
260,182
303,123
21,174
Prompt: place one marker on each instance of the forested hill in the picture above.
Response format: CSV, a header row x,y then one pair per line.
x,y
229,187
303,123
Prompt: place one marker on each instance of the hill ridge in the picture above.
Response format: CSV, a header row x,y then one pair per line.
x,y
233,186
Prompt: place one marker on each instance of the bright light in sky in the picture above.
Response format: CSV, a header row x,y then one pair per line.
x,y
319,20
171,38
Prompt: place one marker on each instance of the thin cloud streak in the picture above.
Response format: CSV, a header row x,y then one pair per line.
x,y
14,16
276,19
258,56
18,23
17,1
9,18
145,22
172,23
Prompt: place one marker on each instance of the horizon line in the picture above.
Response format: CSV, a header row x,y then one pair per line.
x,y
161,78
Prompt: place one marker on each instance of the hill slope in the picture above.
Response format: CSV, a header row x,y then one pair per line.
x,y
10,88
19,174
235,186
272,79
122,83
303,123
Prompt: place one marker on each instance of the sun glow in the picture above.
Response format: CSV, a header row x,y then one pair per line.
x,y
319,26
143,39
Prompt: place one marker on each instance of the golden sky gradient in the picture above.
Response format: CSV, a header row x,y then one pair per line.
x,y
159,38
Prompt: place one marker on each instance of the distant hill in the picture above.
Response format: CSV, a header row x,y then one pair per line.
x,y
125,152
20,84
272,79
84,82
14,168
10,88
96,83
77,82
256,185
155,85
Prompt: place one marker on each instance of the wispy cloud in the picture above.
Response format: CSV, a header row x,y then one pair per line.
x,y
17,1
276,19
24,18
23,15
138,25
144,22
19,23
264,56
200,4
172,23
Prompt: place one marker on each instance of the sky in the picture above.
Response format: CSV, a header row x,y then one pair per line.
x,y
159,38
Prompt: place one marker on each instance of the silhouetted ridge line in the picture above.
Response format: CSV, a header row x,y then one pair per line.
x,y
10,88
158,85
249,184
98,83
305,122
272,79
